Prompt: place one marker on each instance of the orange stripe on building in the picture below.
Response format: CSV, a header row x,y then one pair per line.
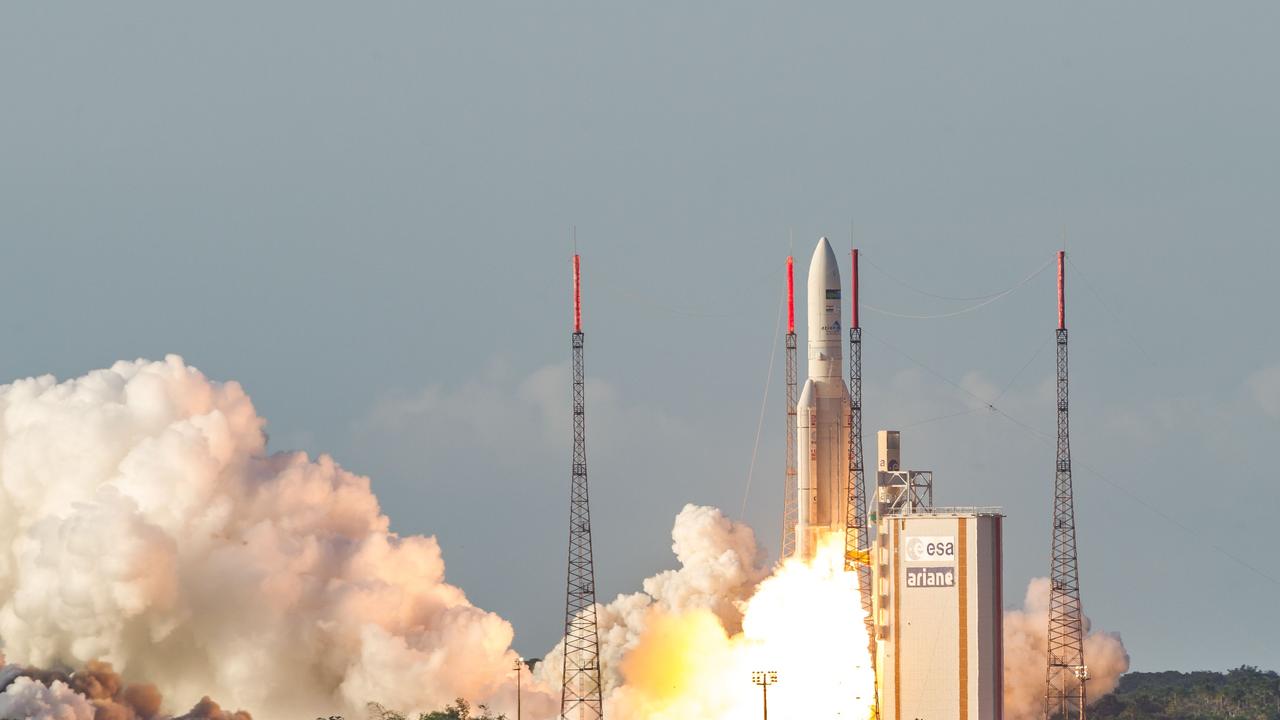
x,y
897,624
962,593
999,614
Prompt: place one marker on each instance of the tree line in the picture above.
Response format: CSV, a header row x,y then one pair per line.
x,y
459,710
1245,693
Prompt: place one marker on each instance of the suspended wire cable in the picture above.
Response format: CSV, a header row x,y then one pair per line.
x,y
764,402
928,369
870,434
926,293
926,421
983,301
1048,441
1034,432
939,418
1044,344
1120,325
1198,536
962,311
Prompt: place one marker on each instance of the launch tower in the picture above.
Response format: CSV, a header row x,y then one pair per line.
x,y
1065,693
856,540
580,696
789,489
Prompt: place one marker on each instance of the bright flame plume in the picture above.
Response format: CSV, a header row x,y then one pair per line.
x,y
804,622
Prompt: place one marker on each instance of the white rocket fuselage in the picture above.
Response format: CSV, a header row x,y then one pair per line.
x,y
822,412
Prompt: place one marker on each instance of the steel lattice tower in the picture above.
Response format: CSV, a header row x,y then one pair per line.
x,y
1065,691
580,695
856,540
790,512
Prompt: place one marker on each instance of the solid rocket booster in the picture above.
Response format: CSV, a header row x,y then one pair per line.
x,y
822,412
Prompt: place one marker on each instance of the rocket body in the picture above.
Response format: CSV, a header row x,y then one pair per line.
x,y
822,412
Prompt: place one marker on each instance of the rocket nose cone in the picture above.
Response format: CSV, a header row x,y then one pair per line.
x,y
824,264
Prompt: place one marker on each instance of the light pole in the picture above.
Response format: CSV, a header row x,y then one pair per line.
x,y
765,678
1082,674
516,667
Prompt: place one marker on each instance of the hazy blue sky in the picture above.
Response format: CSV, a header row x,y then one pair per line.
x,y
360,212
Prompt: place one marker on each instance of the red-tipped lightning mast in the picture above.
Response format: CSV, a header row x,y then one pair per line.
x,y
853,320
577,293
1065,695
856,537
1062,284
790,493
791,294
580,695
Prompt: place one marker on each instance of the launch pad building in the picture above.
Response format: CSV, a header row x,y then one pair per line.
x,y
935,586
938,584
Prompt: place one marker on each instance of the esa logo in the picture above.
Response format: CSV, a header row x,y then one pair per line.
x,y
931,549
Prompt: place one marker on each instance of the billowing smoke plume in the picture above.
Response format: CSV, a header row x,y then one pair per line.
x,y
666,650
94,693
720,566
142,523
686,646
1026,651
29,698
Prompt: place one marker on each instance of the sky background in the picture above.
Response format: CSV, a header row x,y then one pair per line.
x,y
361,212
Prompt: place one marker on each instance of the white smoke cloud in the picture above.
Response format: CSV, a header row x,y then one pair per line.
x,y
686,645
720,566
28,698
721,569
1026,648
26,692
142,523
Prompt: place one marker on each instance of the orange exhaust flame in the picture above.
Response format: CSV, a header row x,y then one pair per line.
x,y
804,621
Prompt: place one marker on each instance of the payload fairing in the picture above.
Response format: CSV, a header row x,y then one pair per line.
x,y
822,412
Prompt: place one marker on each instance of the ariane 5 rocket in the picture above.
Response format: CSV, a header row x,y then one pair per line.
x,y
822,412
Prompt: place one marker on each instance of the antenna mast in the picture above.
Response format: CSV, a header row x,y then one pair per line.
x,y
857,553
1065,692
790,512
580,695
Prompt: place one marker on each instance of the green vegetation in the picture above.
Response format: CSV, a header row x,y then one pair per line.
x,y
459,710
1245,693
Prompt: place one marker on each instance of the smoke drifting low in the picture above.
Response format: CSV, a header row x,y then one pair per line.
x,y
142,523
1026,648
675,650
144,527
720,566
686,646
95,693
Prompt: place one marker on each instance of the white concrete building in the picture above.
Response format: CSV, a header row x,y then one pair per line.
x,y
938,576
938,615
